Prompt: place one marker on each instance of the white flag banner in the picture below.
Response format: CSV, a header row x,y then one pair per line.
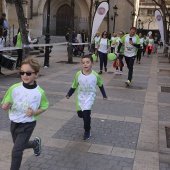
x,y
98,17
159,21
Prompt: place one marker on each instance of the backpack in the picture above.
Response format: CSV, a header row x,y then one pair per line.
x,y
14,40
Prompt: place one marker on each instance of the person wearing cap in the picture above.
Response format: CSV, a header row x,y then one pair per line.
x,y
4,23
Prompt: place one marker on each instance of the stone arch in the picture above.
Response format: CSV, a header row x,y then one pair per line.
x,y
63,19
81,11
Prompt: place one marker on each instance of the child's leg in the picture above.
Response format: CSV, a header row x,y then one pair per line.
x,y
21,133
80,114
87,120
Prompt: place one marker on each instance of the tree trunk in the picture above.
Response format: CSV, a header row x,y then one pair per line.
x,y
22,26
70,49
90,20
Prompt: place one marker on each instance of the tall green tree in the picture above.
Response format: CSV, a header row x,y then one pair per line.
x,y
22,26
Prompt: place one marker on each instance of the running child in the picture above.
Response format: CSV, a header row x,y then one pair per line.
x,y
25,101
85,82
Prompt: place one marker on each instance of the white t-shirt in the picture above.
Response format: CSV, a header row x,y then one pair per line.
x,y
86,89
130,50
150,42
96,41
21,99
79,39
141,42
112,40
103,45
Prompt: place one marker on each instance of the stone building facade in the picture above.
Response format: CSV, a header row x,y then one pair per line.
x,y
36,14
146,15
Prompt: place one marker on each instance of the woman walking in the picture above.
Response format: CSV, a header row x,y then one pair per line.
x,y
121,55
104,47
140,50
150,45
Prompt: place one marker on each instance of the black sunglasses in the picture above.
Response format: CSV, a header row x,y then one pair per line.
x,y
28,73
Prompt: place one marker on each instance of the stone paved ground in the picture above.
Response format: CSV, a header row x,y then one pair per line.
x,y
128,130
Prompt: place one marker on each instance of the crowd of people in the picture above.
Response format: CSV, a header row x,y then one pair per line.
x,y
25,101
130,46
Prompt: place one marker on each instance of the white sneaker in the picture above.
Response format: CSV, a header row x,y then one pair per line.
x,y
120,72
117,72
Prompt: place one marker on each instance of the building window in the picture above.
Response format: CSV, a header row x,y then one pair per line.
x,y
150,12
148,1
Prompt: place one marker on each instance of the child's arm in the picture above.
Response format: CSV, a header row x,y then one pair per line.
x,y
74,85
30,112
103,92
70,92
6,106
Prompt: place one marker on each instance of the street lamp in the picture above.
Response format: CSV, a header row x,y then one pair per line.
x,y
115,8
47,36
150,20
96,4
133,16
70,49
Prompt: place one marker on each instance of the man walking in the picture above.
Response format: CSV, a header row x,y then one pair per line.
x,y
156,40
131,44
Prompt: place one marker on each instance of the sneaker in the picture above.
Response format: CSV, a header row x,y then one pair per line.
x,y
37,149
127,82
86,135
117,72
105,69
100,72
120,72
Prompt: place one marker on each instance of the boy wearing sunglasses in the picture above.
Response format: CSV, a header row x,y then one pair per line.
x,y
25,101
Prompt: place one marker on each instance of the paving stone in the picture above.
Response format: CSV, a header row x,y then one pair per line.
x,y
126,94
120,108
78,160
164,113
112,133
164,166
164,97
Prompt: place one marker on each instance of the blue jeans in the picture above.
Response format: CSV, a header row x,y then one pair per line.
x,y
103,60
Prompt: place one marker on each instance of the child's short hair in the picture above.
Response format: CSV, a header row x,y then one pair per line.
x,y
32,61
88,56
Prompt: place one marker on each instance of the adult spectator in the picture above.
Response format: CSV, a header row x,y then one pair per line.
x,y
73,36
131,44
4,23
2,42
79,38
83,36
19,51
